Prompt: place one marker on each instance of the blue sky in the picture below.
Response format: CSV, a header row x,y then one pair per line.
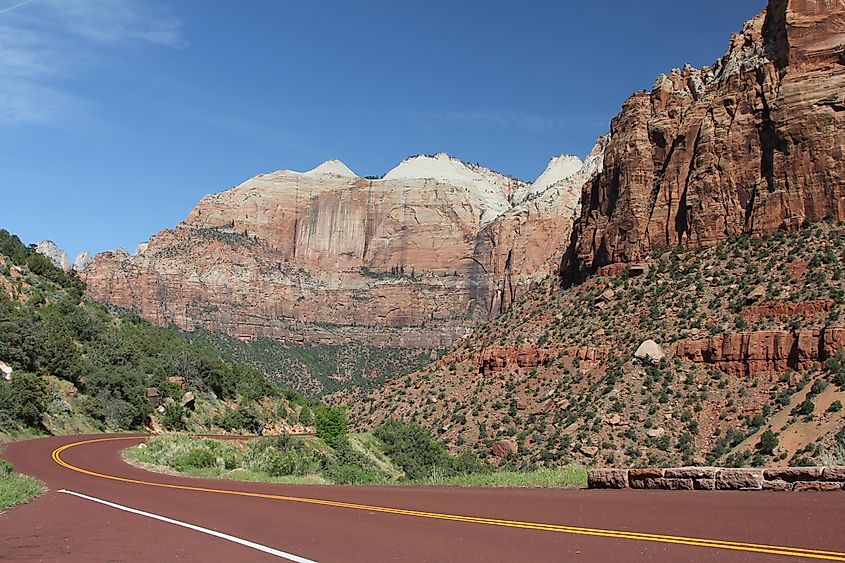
x,y
116,116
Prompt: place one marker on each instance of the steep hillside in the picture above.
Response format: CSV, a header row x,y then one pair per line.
x,y
698,249
750,329
318,369
330,258
69,365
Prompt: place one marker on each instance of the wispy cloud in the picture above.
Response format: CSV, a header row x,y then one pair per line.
x,y
44,41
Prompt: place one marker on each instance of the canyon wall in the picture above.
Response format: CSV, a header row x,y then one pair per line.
x,y
752,144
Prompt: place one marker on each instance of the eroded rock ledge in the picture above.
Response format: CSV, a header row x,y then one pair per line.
x,y
718,478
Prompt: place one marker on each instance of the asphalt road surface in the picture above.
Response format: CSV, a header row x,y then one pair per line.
x,y
99,508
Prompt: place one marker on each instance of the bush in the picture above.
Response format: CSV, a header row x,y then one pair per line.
x,y
279,456
768,442
353,475
419,455
807,407
24,399
242,418
198,458
331,424
6,468
174,417
836,365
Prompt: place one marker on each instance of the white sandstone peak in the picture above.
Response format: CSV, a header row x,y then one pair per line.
x,y
440,166
491,190
52,251
334,167
83,260
559,168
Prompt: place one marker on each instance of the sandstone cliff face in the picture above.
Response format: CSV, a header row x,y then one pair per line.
x,y
753,144
526,243
329,256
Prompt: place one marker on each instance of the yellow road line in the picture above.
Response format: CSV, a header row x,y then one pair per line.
x,y
607,533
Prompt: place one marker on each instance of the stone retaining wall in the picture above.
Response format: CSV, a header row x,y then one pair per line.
x,y
718,478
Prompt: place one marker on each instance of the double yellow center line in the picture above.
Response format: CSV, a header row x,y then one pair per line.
x,y
618,534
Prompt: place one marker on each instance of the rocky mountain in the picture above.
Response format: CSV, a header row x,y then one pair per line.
x,y
701,302
526,243
753,144
326,256
56,255
60,258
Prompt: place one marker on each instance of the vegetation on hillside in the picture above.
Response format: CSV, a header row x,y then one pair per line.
x,y
79,366
318,369
615,410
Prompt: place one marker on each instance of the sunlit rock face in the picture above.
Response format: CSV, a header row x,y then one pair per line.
x,y
752,144
329,256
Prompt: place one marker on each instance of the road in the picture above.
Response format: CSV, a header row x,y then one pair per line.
x,y
149,512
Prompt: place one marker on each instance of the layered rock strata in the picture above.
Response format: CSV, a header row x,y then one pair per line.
x,y
331,257
752,144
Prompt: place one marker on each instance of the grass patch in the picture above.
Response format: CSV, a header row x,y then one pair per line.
x,y
16,488
560,477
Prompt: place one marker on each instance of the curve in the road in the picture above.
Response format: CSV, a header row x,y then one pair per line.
x,y
607,533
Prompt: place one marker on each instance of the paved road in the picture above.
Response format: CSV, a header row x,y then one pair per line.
x,y
351,524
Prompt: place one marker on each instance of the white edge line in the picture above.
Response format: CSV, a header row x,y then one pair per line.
x,y
247,543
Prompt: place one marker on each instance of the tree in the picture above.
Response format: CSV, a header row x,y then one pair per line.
x,y
807,407
331,424
24,398
768,442
836,365
306,417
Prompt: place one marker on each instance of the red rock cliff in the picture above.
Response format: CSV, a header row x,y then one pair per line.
x,y
753,144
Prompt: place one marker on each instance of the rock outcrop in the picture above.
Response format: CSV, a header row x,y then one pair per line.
x,y
752,144
60,258
770,351
328,256
56,255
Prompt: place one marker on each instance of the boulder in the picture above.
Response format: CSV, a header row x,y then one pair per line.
x,y
614,419
655,432
6,371
504,448
188,400
607,295
650,351
589,451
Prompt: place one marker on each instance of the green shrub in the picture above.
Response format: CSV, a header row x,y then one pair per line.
x,y
23,399
197,458
836,365
807,407
768,442
6,468
331,423
174,417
